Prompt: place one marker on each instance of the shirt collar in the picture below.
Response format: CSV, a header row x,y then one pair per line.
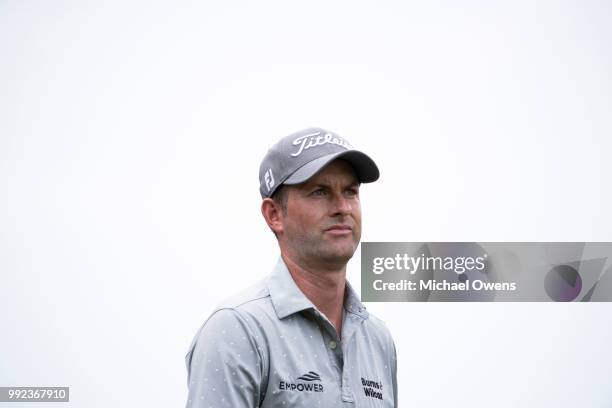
x,y
288,299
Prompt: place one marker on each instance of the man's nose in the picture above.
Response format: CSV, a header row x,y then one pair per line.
x,y
342,205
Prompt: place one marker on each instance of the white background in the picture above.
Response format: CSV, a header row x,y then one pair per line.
x,y
130,140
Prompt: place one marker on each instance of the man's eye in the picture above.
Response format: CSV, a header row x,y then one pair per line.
x,y
318,192
351,192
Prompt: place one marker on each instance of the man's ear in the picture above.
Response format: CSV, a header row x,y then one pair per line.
x,y
273,214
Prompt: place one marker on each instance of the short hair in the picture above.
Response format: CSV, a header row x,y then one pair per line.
x,y
280,197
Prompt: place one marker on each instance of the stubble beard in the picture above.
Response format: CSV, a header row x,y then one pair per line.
x,y
323,253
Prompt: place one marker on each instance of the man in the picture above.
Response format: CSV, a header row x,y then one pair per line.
x,y
301,337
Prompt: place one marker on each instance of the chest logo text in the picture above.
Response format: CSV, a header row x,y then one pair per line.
x,y
311,383
372,389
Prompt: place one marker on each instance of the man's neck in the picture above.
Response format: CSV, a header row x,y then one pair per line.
x,y
324,288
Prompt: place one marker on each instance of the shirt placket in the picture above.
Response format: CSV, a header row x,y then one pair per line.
x,y
335,353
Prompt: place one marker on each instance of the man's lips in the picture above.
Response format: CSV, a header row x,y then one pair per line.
x,y
339,230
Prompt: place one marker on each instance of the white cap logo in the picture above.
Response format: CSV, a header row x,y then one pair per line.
x,y
269,179
307,141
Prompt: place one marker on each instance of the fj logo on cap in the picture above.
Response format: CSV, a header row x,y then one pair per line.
x,y
317,139
269,179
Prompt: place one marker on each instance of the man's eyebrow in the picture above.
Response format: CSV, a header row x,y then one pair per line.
x,y
325,183
310,186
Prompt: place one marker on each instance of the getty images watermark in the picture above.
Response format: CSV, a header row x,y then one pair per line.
x,y
486,271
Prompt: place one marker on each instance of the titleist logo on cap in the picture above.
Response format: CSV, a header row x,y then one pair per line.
x,y
317,139
297,157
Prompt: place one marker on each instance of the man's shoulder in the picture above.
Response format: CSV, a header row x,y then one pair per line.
x,y
235,316
248,304
378,326
377,321
256,292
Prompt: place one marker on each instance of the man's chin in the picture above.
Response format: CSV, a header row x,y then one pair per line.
x,y
339,256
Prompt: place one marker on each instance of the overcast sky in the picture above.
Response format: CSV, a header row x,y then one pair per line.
x,y
130,139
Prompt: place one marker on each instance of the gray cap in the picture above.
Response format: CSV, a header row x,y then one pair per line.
x,y
296,158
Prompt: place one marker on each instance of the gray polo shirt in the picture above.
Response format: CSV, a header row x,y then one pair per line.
x,y
271,347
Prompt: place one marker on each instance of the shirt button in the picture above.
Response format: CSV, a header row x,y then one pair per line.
x,y
332,344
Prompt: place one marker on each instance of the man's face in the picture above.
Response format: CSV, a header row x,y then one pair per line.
x,y
322,224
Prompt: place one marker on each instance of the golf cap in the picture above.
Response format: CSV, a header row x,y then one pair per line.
x,y
296,158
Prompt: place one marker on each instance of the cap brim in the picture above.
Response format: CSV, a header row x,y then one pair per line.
x,y
365,168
